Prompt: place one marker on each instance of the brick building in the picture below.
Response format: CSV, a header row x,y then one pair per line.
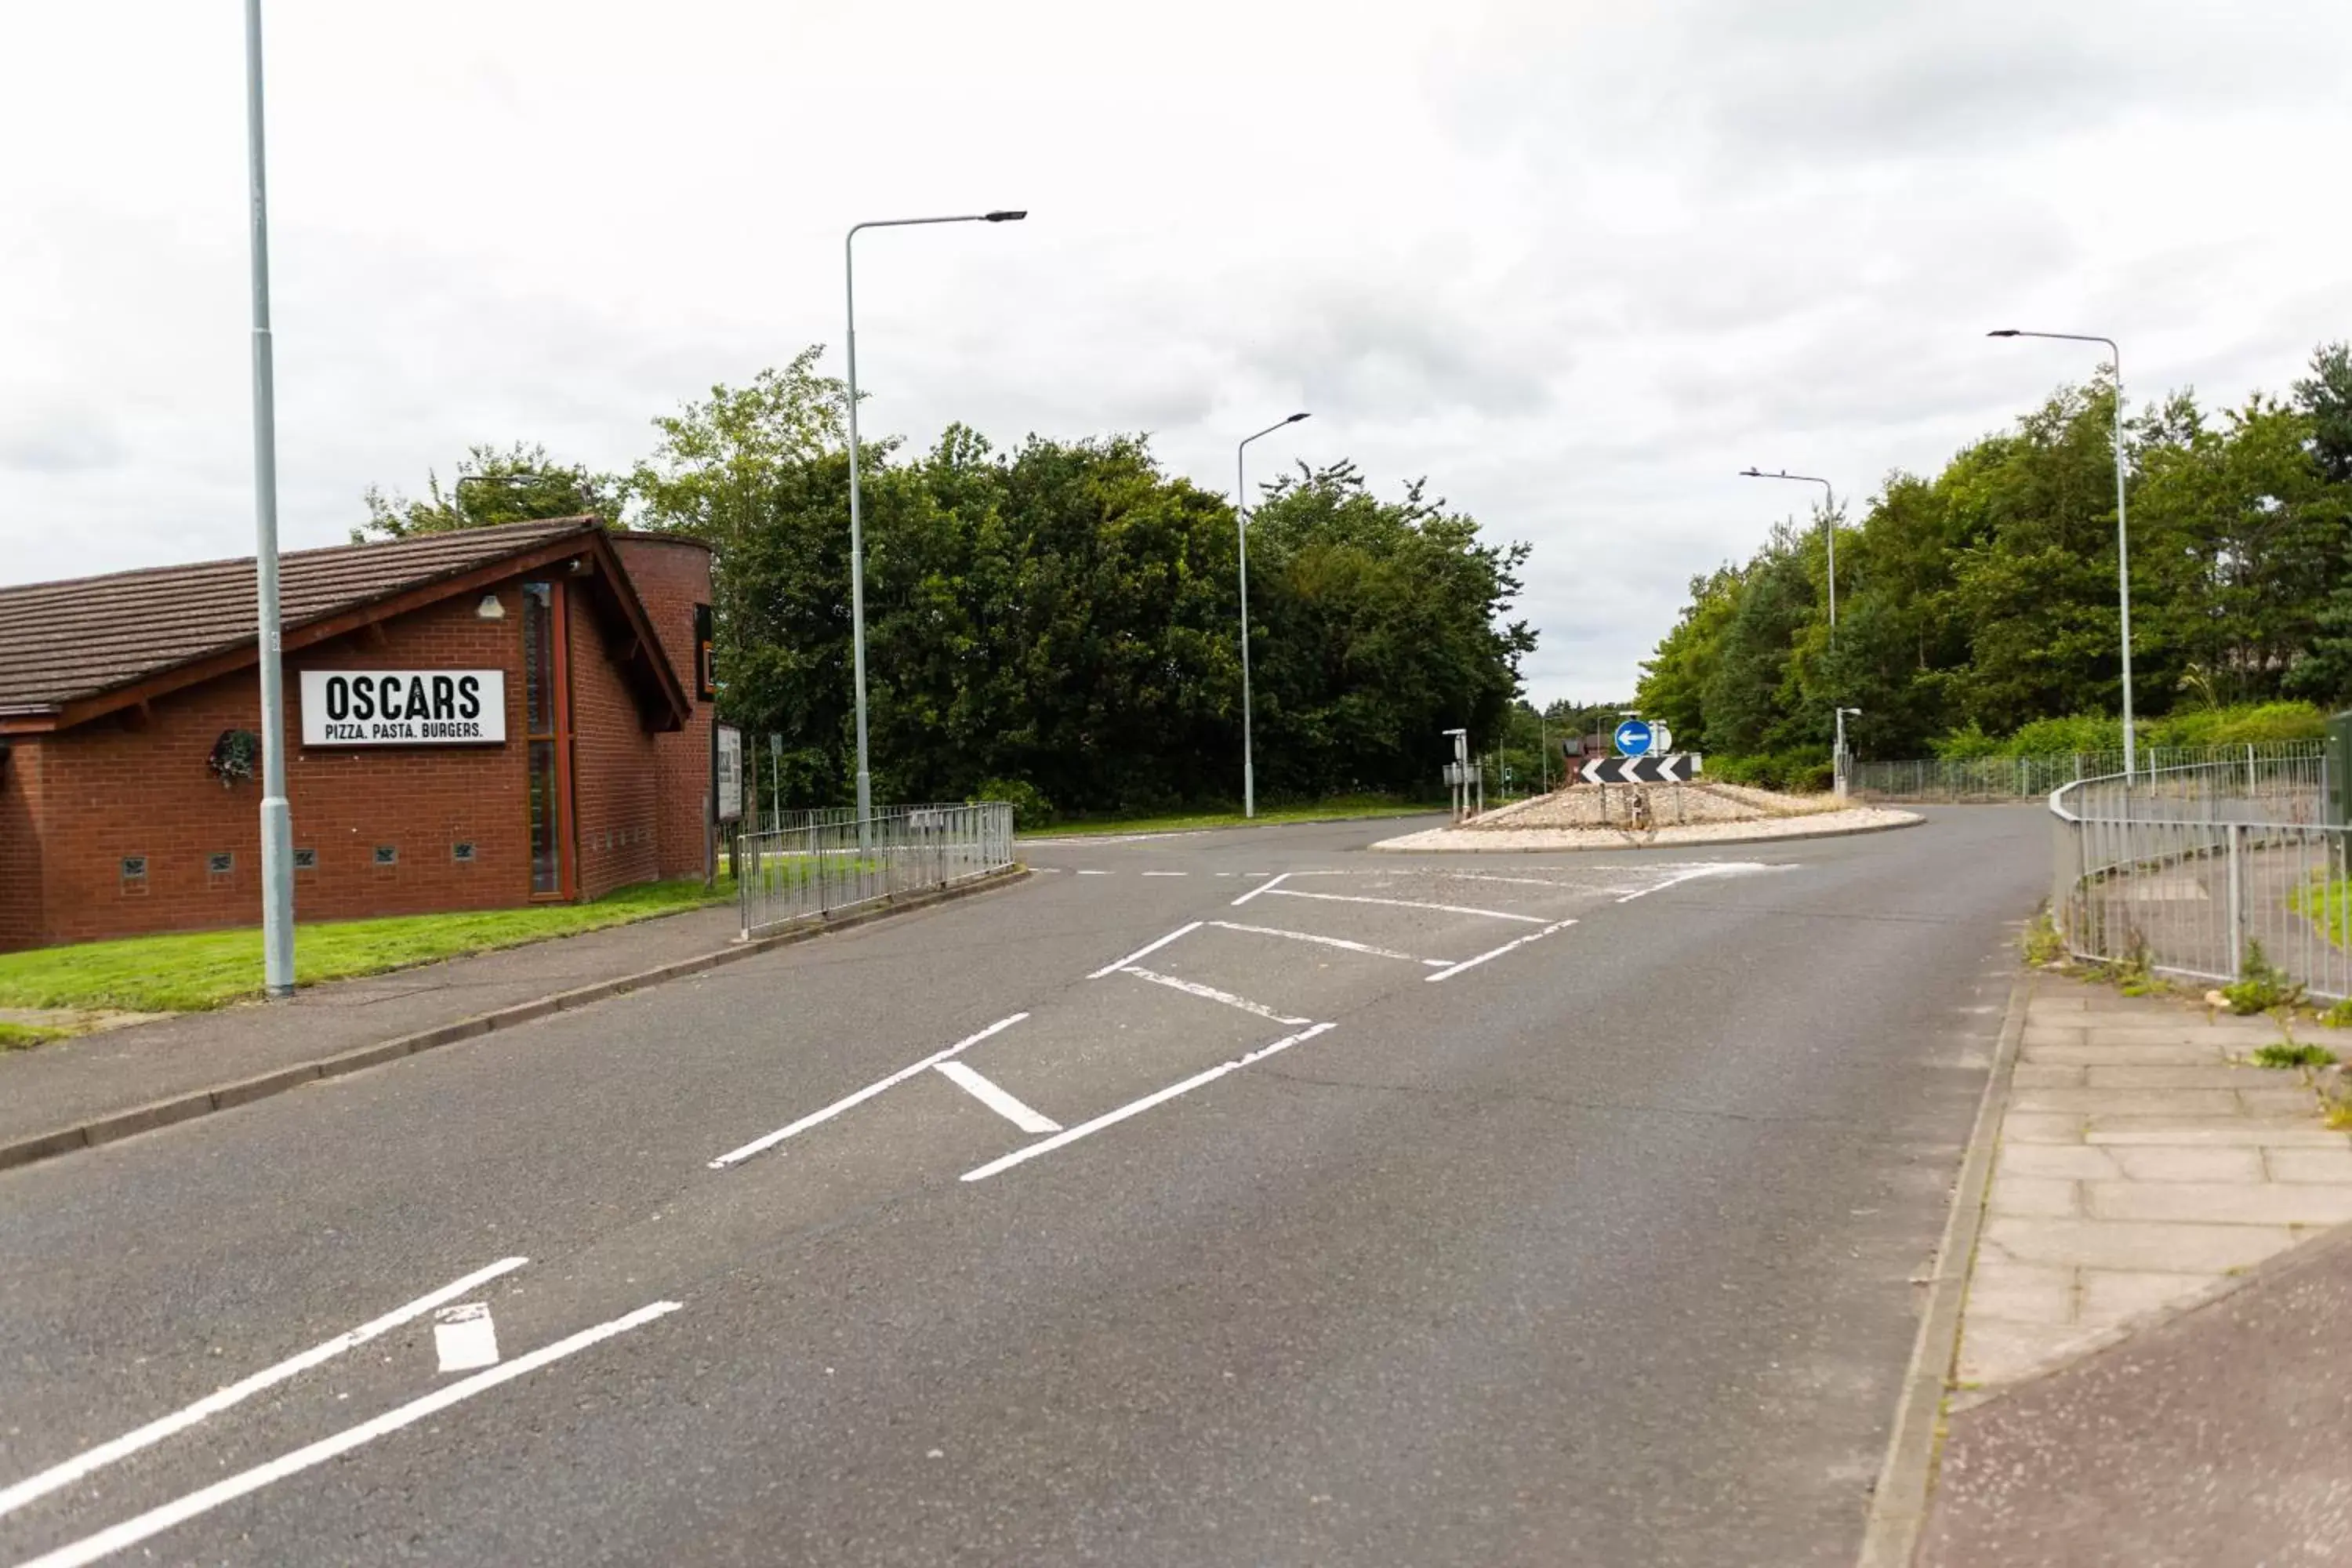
x,y
475,719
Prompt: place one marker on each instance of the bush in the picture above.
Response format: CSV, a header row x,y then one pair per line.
x,y
1805,772
2237,726
1031,809
1967,745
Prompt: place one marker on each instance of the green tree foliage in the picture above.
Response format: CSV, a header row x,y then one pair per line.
x,y
1984,599
1064,618
493,485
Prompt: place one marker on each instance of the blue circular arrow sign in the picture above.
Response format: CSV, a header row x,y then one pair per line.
x,y
1633,738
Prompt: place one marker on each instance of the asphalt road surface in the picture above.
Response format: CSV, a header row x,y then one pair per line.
x,y
1224,1198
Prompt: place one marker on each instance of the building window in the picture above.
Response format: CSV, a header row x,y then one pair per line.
x,y
462,851
134,868
539,700
220,863
387,854
306,859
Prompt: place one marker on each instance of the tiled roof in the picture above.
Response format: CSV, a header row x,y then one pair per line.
x,y
60,642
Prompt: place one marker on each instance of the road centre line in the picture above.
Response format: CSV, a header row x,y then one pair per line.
x,y
768,1141
89,1460
1145,951
1404,904
1168,873
1210,993
156,1521
1088,873
1331,941
1136,1108
993,1096
1261,888
1497,952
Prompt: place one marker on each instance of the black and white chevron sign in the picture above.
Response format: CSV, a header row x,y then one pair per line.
x,y
1681,767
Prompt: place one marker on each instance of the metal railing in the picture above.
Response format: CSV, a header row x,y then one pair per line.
x,y
836,861
2189,869
2033,777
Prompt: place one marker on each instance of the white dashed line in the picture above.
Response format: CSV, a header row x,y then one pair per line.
x,y
1497,952
154,1522
1331,942
761,1145
1400,904
1210,994
1094,873
1168,873
1144,952
993,1095
1134,1108
82,1464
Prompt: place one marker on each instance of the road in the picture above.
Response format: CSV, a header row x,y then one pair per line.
x,y
1235,1197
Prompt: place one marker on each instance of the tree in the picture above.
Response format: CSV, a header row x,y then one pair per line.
x,y
493,485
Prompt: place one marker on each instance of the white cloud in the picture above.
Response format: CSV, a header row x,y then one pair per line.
x,y
1578,264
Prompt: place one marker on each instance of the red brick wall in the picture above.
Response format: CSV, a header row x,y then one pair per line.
x,y
74,803
615,790
20,846
673,575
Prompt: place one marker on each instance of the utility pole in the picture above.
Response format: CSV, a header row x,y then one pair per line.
x,y
276,814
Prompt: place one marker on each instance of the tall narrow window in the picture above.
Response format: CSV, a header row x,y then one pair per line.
x,y
538,685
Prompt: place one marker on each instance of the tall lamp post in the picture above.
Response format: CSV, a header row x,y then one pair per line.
x,y
2123,540
1240,539
856,528
1829,525
277,816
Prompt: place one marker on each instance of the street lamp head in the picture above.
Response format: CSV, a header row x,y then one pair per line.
x,y
2005,332
1294,419
1752,473
1005,214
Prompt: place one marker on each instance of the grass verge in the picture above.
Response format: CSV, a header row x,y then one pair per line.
x,y
25,1036
1340,806
190,971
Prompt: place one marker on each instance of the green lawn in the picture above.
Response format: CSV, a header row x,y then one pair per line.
x,y
1349,806
2329,906
189,971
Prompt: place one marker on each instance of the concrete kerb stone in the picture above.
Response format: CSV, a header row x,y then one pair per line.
x,y
1899,1504
117,1125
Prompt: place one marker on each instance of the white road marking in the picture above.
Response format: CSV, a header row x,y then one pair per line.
x,y
1490,877
1136,1108
156,1521
1094,873
1145,951
761,1145
1210,993
1261,888
82,1464
1221,873
993,1095
1331,942
1168,873
1497,952
1405,904
464,1338
1713,869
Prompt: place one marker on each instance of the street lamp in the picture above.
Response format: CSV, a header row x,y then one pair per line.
x,y
2123,544
277,816
1838,770
1829,525
856,530
1240,539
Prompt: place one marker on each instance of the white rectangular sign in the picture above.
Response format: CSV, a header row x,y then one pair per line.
x,y
730,742
403,707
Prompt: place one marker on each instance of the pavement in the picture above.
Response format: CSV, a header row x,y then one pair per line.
x,y
2150,1367
1226,1197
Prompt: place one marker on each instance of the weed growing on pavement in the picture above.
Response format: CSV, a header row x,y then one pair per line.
x,y
2044,945
2262,984
2338,1017
2339,1119
25,1036
2291,1055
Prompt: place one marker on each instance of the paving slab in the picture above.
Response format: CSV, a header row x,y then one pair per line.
x,y
2187,1247
2224,1202
2215,1437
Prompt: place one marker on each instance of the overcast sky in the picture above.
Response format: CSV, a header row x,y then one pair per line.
x,y
1577,263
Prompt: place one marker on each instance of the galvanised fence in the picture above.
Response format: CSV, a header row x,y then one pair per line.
x,y
2191,868
2032,778
837,861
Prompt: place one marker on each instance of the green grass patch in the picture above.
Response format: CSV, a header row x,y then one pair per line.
x,y
1340,806
190,971
25,1036
2291,1055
